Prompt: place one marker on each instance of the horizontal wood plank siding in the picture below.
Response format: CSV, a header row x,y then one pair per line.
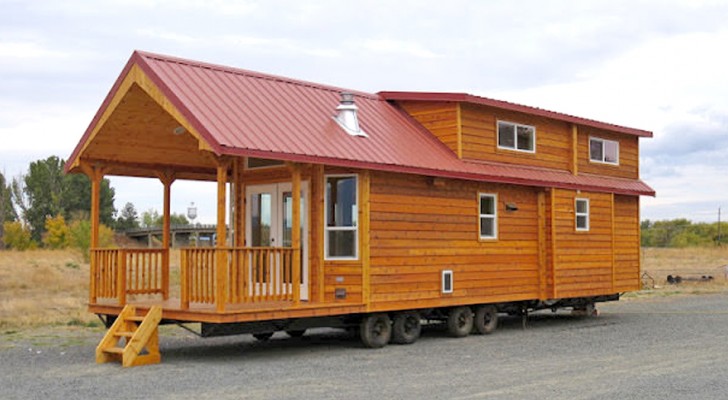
x,y
418,230
480,142
583,260
440,118
628,154
627,243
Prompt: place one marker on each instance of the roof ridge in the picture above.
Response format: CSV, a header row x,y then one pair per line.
x,y
254,74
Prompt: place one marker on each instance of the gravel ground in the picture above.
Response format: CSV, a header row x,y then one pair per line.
x,y
640,349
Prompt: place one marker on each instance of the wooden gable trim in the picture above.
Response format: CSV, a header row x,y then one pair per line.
x,y
134,76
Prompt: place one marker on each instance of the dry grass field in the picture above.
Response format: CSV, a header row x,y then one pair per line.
x,y
50,287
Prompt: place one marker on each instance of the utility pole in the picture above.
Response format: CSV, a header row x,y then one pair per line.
x,y
720,233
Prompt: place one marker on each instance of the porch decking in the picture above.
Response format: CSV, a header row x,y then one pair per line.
x,y
215,284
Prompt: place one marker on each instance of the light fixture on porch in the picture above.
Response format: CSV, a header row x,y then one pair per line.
x,y
179,130
347,115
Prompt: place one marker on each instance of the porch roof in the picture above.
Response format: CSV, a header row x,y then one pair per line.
x,y
237,112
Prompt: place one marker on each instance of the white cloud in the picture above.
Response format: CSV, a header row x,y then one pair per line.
x,y
399,48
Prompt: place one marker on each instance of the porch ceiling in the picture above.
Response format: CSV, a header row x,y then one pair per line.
x,y
138,139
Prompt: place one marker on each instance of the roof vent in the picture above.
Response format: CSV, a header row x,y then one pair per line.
x,y
347,117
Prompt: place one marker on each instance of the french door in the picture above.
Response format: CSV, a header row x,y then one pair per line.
x,y
269,221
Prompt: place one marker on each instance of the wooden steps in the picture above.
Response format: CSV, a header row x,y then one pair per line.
x,y
132,340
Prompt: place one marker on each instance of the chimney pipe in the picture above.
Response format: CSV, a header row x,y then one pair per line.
x,y
347,115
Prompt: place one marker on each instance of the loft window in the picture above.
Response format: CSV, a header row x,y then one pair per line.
x,y
581,207
604,151
518,137
488,218
341,231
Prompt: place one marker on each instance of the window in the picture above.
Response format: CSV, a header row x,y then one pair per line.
x,y
488,216
604,151
582,214
341,232
447,281
516,136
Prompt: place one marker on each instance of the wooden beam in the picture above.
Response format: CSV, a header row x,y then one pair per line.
x,y
459,113
167,177
554,291
239,203
318,190
296,231
365,185
221,255
574,149
541,200
614,241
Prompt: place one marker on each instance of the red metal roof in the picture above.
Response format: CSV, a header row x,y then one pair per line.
x,y
505,105
240,112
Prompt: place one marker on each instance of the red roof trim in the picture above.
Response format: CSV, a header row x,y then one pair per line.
x,y
110,95
612,185
469,98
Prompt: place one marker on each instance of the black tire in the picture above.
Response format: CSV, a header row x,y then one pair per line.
x,y
406,327
375,330
263,336
586,311
460,321
296,333
485,320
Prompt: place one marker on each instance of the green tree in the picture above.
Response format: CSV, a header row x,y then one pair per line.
x,y
80,236
77,197
128,218
45,191
7,211
151,218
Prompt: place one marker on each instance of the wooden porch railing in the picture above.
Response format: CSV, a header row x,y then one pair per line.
x,y
252,274
116,273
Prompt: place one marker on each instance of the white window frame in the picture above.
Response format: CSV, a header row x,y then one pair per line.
x,y
494,216
447,275
604,153
515,136
354,228
586,214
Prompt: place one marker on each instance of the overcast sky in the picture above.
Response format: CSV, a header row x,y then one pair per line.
x,y
655,65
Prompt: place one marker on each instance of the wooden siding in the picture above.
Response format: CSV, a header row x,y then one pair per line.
x,y
419,229
627,243
628,154
480,142
440,118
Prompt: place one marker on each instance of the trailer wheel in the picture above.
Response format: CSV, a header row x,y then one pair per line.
x,y
406,327
375,330
263,336
587,310
296,333
485,320
460,321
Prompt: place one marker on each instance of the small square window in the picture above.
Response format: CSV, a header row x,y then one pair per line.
x,y
514,136
581,212
604,151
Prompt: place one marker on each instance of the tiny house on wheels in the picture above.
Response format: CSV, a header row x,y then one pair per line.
x,y
337,208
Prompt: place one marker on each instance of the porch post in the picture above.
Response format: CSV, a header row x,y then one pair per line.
x,y
221,255
238,207
95,175
167,179
296,232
